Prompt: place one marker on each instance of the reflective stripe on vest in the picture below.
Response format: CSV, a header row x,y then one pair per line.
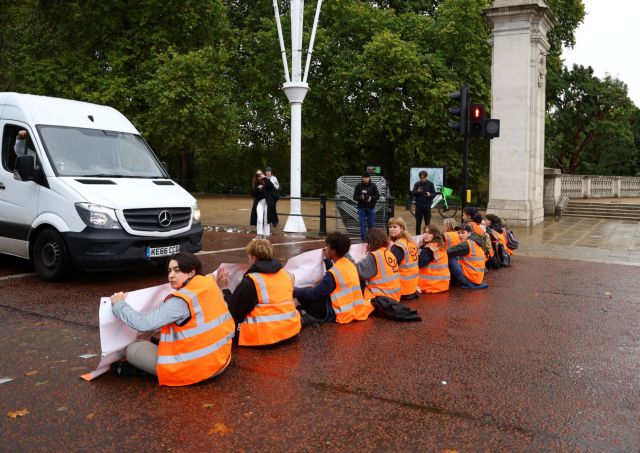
x,y
473,264
275,317
451,238
386,282
347,300
435,277
202,347
408,267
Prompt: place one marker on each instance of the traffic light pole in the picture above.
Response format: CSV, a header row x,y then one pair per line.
x,y
465,182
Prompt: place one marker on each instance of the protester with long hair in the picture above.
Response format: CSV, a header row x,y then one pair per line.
x,y
406,253
434,275
379,269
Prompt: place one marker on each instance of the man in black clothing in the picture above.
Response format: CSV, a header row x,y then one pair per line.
x,y
423,192
366,194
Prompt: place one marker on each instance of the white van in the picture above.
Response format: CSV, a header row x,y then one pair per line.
x,y
84,189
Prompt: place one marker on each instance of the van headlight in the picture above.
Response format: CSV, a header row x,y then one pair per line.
x,y
97,216
195,214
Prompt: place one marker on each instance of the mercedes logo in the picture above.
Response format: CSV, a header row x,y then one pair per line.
x,y
164,218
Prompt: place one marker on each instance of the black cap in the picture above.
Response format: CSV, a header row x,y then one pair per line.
x,y
466,227
366,174
268,169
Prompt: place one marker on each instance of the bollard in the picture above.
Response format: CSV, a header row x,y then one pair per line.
x,y
323,215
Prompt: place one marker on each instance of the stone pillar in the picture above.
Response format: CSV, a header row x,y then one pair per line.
x,y
518,75
552,189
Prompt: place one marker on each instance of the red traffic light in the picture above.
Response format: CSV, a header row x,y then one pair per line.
x,y
476,112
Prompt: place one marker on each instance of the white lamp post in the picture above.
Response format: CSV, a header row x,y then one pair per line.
x,y
296,88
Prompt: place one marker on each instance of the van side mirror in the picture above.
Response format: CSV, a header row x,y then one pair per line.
x,y
25,168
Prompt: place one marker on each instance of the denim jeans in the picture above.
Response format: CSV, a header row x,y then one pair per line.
x,y
367,219
456,272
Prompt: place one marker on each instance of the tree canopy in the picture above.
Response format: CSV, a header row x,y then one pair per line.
x,y
202,81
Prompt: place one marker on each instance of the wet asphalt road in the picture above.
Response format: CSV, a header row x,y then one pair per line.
x,y
546,359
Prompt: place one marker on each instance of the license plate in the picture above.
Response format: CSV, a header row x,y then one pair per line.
x,y
153,252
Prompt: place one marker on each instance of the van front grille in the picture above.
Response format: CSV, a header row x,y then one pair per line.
x,y
157,219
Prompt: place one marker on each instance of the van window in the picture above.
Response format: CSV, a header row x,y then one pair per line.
x,y
9,148
92,152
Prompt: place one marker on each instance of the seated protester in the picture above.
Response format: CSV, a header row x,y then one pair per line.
x,y
495,227
406,253
196,328
379,269
338,297
449,235
471,216
434,276
262,305
467,260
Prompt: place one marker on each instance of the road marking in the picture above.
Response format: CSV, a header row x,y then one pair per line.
x,y
244,248
9,277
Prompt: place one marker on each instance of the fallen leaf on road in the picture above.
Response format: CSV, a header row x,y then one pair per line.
x,y
41,383
40,324
91,416
31,373
207,405
60,361
609,295
61,409
18,413
219,428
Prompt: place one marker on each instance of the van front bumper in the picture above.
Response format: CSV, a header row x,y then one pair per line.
x,y
94,249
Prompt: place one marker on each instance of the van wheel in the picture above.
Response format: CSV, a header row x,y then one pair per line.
x,y
50,257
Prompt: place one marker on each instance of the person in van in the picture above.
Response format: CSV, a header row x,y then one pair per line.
x,y
196,328
434,275
379,268
338,297
467,259
406,253
262,305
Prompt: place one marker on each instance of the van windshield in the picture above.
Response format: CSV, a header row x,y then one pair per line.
x,y
92,152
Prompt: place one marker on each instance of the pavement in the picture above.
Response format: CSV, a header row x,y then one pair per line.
x,y
546,359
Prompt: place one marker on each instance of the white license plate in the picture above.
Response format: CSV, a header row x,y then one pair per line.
x,y
153,252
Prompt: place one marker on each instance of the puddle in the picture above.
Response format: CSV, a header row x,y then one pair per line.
x,y
226,229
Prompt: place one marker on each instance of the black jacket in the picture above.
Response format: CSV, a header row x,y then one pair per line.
x,y
421,198
362,193
245,297
270,195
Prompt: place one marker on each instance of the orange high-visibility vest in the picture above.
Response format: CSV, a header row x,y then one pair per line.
x,y
347,300
202,347
386,282
503,240
451,238
473,264
275,318
435,277
477,228
408,267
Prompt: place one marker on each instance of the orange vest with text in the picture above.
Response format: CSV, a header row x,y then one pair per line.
x,y
408,267
201,347
435,277
275,317
451,238
473,264
347,300
386,282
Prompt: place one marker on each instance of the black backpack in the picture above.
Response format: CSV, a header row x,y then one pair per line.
x,y
512,240
501,254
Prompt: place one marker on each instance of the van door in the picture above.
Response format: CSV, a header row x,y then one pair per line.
x,y
18,199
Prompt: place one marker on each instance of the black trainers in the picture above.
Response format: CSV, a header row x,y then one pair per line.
x,y
125,369
308,320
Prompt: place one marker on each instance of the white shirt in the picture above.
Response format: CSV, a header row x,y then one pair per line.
x,y
274,181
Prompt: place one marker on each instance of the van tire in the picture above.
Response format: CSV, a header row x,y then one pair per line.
x,y
50,256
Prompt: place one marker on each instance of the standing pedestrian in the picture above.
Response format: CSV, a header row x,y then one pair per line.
x,y
366,194
263,211
423,192
268,172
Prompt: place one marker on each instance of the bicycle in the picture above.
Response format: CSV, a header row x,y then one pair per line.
x,y
444,201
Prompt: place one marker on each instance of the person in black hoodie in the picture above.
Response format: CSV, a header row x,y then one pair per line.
x,y
423,193
366,194
263,211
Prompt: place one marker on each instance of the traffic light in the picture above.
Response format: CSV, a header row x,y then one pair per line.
x,y
476,120
461,110
491,128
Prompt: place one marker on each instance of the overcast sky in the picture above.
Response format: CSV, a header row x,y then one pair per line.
x,y
608,41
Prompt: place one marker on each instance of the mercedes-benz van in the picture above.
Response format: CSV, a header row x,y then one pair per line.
x,y
80,187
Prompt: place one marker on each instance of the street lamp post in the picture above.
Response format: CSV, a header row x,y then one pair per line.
x,y
296,88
